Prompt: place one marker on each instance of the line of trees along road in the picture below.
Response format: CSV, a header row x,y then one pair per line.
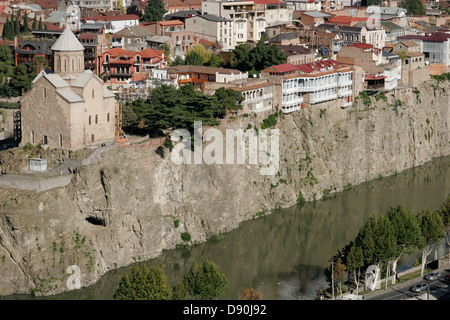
x,y
384,239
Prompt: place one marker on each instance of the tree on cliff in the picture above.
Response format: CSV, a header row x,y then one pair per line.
x,y
143,283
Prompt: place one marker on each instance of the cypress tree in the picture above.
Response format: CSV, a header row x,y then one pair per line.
x,y
34,26
25,23
16,26
40,26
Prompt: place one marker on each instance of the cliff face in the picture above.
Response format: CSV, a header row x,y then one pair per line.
x,y
133,204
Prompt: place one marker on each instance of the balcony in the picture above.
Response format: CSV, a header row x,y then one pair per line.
x,y
344,93
322,98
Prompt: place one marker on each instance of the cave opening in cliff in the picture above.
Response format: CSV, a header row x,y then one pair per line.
x,y
96,221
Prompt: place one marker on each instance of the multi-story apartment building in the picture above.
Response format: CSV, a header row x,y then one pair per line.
x,y
247,18
213,28
359,33
313,83
276,11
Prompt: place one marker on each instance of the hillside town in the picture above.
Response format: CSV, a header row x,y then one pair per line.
x,y
328,50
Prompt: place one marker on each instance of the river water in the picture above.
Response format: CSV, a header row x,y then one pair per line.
x,y
283,255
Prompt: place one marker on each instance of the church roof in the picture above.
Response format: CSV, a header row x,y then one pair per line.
x,y
67,42
69,95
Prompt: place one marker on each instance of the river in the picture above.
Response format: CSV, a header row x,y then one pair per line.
x,y
283,255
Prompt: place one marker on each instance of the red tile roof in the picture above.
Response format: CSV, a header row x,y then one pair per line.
x,y
285,67
150,53
362,46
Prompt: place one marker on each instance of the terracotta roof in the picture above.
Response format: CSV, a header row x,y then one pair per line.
x,y
171,22
87,35
150,53
285,67
409,43
362,46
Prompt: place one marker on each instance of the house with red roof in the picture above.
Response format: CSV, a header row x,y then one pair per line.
x,y
123,67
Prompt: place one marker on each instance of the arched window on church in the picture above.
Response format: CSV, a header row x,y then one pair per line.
x,y
96,118
90,120
107,117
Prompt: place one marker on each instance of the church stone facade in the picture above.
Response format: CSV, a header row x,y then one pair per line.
x,y
70,108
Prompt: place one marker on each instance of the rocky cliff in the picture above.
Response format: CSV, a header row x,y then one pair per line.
x,y
132,203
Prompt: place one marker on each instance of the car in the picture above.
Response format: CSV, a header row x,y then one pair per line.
x,y
419,287
432,276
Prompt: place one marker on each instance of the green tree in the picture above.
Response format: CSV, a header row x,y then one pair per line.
x,y
205,281
180,292
406,232
6,61
20,81
414,7
365,240
355,260
143,283
8,31
214,61
433,230
194,58
34,26
40,26
339,270
25,23
16,26
229,99
154,11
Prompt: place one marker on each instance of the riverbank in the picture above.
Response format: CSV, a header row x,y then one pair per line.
x,y
131,204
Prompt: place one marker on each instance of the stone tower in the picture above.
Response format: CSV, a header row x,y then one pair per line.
x,y
68,55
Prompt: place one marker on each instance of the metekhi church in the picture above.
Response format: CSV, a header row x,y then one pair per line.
x,y
70,108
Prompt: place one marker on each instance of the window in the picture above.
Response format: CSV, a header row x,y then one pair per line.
x,y
45,93
32,136
96,119
107,117
45,140
90,120
60,140
93,93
